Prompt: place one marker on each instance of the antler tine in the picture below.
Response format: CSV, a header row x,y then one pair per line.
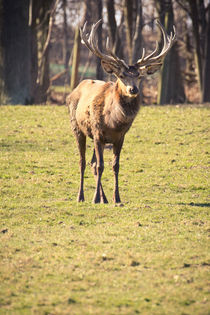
x,y
109,50
165,35
168,41
91,43
93,40
84,37
143,58
87,39
111,57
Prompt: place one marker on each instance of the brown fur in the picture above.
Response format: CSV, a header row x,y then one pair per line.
x,y
104,112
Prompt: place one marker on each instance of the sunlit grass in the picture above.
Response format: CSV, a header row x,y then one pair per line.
x,y
149,255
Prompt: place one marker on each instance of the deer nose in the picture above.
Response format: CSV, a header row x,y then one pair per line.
x,y
133,90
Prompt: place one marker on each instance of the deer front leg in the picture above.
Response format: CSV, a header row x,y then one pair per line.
x,y
103,198
115,166
99,169
81,140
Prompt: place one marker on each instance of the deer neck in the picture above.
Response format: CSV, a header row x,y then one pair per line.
x,y
129,105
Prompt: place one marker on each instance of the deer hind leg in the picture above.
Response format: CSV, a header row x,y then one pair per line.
x,y
81,141
103,198
99,148
115,166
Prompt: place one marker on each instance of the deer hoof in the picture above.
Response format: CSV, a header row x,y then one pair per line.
x,y
104,200
97,198
80,198
117,200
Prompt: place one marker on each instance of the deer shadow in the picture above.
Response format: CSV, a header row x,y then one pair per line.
x,y
195,204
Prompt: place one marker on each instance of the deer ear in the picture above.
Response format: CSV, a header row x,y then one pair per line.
x,y
109,67
153,68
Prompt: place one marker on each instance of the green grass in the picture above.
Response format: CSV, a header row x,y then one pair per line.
x,y
148,255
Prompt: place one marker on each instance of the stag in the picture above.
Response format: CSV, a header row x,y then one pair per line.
x,y
104,111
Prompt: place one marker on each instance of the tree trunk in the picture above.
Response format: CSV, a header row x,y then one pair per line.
x,y
34,48
128,12
138,42
198,54
75,61
138,39
15,53
170,88
206,79
66,51
3,92
21,45
112,25
99,70
43,40
113,30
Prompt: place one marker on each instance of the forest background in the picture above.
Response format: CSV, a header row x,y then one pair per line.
x,y
42,59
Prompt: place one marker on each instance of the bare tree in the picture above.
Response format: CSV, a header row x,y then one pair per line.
x,y
66,50
45,17
198,11
171,87
16,85
75,61
77,45
206,72
194,15
128,13
138,38
115,39
99,7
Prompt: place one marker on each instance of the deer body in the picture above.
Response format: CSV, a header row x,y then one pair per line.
x,y
108,113
104,111
104,116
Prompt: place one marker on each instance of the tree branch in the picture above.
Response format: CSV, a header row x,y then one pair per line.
x,y
47,42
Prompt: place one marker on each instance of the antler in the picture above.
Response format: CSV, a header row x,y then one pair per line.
x,y
152,58
91,43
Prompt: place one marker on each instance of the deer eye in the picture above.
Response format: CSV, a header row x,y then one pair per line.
x,y
121,76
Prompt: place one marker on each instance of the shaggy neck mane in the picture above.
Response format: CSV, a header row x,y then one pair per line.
x,y
129,104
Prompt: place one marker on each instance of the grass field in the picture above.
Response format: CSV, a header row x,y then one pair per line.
x,y
148,255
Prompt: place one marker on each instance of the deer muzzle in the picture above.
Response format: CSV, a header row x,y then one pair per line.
x,y
132,90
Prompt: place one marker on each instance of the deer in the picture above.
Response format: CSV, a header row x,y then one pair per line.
x,y
105,111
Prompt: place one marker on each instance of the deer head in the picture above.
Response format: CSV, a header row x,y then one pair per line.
x,y
129,75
